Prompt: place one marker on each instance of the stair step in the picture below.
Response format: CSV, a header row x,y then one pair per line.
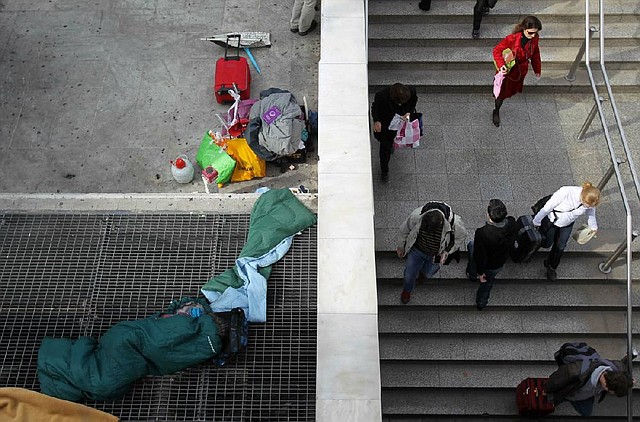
x,y
463,375
459,34
479,348
576,266
509,11
493,320
508,293
441,358
423,374
464,80
480,402
479,58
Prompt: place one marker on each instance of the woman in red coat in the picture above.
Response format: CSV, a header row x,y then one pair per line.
x,y
523,42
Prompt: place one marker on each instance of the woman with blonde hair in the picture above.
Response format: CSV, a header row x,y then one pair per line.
x,y
557,216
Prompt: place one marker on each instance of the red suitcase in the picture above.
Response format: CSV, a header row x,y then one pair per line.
x,y
532,398
232,71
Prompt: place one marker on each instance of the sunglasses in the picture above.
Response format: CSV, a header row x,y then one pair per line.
x,y
531,32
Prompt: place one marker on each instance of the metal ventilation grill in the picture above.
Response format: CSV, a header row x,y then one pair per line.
x,y
76,275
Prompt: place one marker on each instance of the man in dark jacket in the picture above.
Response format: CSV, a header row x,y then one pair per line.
x,y
489,249
396,99
580,386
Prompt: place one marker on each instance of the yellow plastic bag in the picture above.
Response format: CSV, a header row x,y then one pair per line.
x,y
248,164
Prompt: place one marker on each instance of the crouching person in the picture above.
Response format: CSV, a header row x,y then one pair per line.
x,y
427,237
580,382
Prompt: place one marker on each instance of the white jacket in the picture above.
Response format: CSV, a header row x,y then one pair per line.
x,y
568,207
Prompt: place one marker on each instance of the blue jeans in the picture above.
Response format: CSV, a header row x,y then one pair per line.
x,y
584,407
418,262
556,238
484,290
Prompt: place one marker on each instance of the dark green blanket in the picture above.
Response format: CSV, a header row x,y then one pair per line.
x,y
277,214
104,370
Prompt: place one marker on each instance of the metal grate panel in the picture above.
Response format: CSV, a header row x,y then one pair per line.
x,y
68,275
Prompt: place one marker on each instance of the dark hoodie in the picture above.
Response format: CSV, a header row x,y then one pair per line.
x,y
492,243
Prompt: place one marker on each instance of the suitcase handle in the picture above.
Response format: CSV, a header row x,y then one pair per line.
x,y
226,47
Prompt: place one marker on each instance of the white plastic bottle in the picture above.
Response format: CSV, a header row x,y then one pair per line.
x,y
182,169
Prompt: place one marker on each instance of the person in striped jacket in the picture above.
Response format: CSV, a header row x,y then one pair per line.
x,y
430,235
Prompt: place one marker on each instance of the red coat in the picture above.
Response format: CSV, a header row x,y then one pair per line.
x,y
514,80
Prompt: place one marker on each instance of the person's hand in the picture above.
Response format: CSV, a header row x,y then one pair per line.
x,y
443,257
504,70
377,126
400,251
483,278
538,76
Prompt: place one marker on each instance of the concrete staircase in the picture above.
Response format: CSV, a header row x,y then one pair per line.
x,y
434,50
442,359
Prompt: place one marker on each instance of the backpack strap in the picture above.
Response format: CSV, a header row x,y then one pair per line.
x,y
445,209
555,212
441,206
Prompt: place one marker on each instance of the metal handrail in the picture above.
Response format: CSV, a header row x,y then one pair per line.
x,y
614,160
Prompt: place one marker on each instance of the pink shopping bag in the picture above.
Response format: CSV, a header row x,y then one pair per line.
x,y
408,136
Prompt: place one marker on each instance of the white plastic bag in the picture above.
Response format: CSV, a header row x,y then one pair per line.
x,y
397,122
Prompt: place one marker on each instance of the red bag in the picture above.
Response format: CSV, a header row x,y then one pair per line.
x,y
531,398
232,73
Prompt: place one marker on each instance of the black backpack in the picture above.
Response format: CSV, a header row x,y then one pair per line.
x,y
579,352
451,218
238,335
441,206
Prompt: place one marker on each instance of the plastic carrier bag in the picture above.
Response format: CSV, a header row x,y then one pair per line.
x,y
248,164
210,154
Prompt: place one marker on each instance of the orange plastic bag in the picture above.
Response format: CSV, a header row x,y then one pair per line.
x,y
248,164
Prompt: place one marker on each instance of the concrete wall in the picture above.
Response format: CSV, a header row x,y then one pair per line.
x,y
348,373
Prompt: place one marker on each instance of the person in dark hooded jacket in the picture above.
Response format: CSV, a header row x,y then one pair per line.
x,y
580,386
489,249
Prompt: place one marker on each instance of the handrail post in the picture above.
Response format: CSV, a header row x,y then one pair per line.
x,y
590,117
605,267
571,76
610,172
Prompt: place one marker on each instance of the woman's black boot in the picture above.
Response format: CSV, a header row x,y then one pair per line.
x,y
496,118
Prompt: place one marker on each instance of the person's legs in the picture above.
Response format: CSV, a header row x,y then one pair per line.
x,y
549,233
307,13
496,112
584,407
430,268
386,145
415,263
484,290
559,244
477,14
472,273
295,14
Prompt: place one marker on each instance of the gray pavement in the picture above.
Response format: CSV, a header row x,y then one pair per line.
x,y
97,97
